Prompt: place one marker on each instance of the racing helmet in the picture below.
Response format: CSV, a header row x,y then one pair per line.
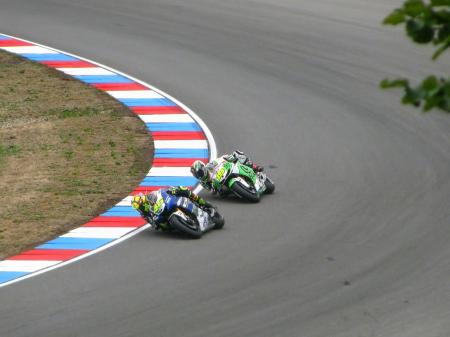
x,y
138,200
198,169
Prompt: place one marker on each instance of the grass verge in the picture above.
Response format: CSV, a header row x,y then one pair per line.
x,y
68,152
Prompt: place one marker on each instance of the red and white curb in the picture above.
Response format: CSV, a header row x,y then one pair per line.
x,y
180,137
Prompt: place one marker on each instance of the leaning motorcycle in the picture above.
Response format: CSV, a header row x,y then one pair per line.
x,y
242,181
183,219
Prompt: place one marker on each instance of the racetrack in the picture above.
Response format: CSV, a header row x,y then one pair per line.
x,y
355,241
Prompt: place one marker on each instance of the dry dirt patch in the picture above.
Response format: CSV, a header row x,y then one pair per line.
x,y
68,152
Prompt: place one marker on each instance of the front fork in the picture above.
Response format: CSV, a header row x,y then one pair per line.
x,y
204,220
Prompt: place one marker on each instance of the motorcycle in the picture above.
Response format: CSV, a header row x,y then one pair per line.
x,y
180,216
241,180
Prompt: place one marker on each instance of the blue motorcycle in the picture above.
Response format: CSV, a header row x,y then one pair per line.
x,y
181,214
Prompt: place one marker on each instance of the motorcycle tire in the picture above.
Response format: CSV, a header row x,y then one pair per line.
x,y
219,221
183,226
245,192
270,186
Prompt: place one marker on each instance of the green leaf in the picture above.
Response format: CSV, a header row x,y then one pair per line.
x,y
414,7
443,33
425,21
441,49
430,84
441,16
419,31
440,2
430,103
445,104
397,83
395,18
413,97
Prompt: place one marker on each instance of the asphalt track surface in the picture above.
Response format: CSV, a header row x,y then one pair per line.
x,y
356,239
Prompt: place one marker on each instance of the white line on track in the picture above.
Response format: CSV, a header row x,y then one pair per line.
x,y
86,71
98,232
170,172
135,94
175,118
25,265
30,50
181,144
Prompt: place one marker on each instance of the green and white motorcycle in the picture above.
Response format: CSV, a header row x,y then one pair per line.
x,y
241,180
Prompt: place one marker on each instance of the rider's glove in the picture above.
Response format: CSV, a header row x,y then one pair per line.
x,y
172,190
257,168
203,203
231,158
207,185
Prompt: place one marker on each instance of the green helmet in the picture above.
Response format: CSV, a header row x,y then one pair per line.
x,y
198,169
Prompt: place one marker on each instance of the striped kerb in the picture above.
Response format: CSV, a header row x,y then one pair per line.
x,y
178,139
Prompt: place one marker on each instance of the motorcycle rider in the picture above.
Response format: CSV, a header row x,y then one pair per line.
x,y
156,206
204,173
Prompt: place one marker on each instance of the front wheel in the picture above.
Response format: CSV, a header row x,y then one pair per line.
x,y
218,219
245,192
186,227
270,186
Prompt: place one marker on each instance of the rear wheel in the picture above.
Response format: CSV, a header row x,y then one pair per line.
x,y
245,192
187,227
